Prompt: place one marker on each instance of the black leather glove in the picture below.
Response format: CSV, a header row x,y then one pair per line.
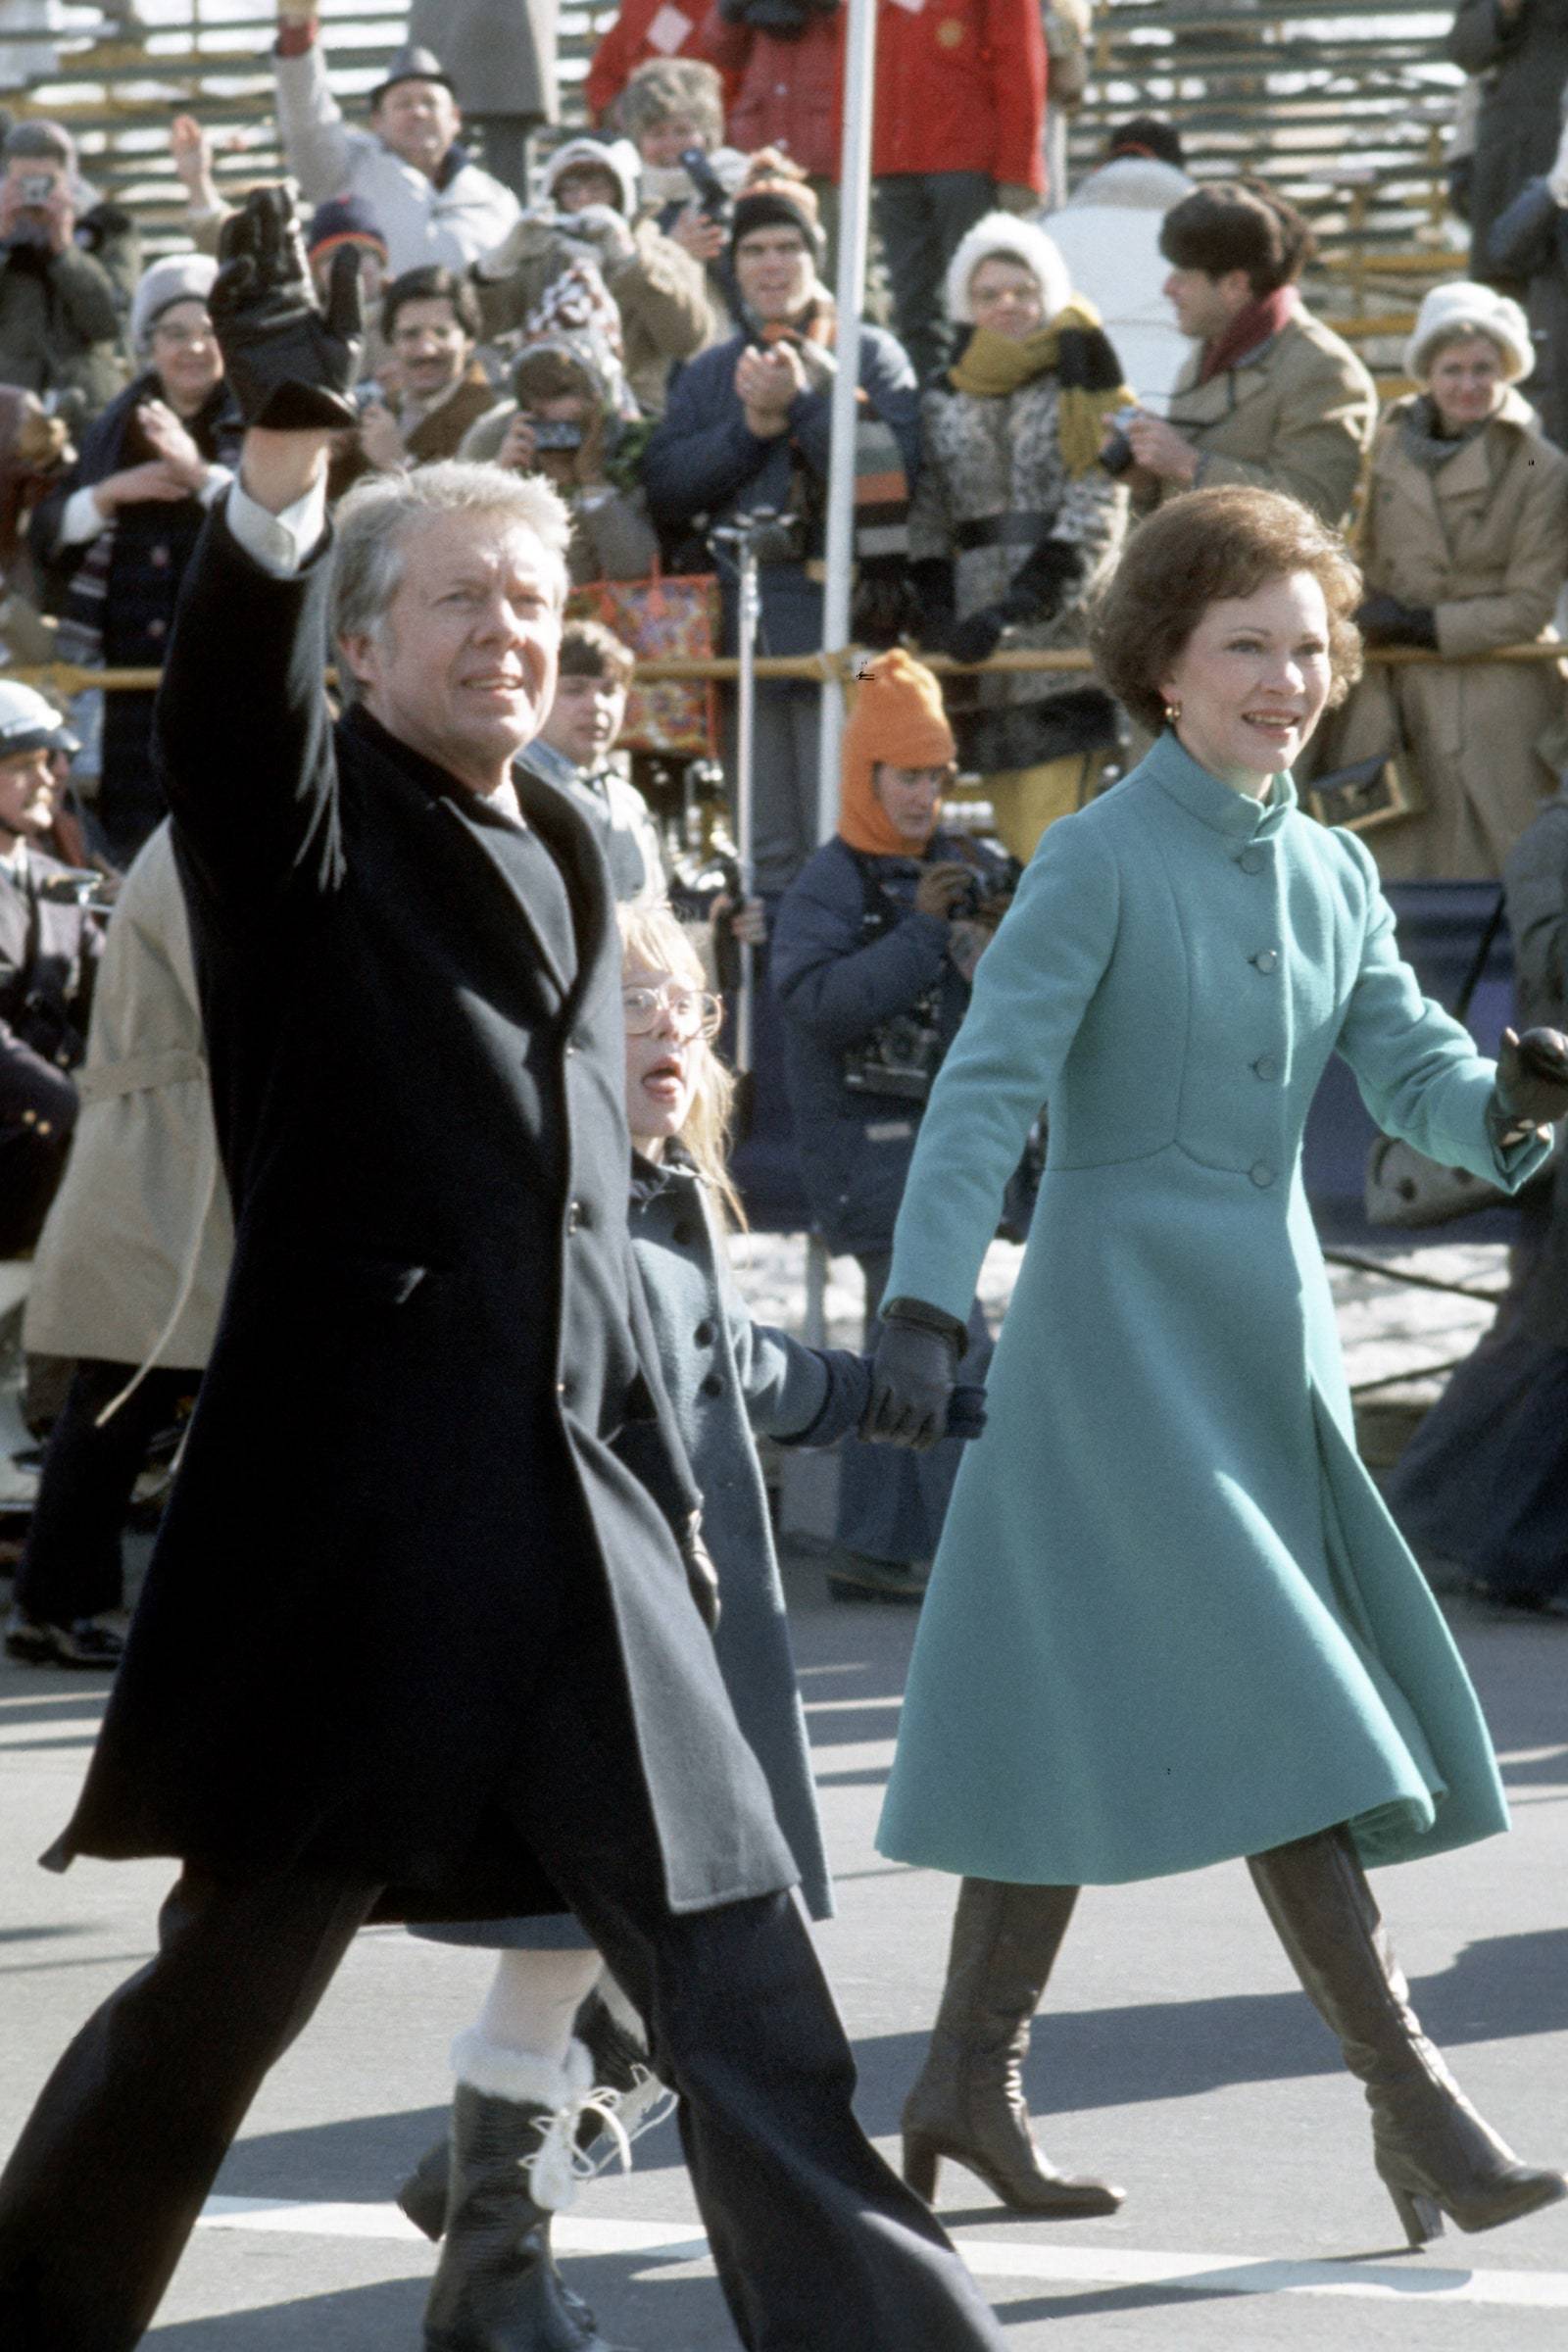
x,y
976,637
966,1412
913,1375
1532,1082
1384,620
1039,587
290,367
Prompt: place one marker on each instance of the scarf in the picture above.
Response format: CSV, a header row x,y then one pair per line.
x,y
1076,348
1424,444
1248,331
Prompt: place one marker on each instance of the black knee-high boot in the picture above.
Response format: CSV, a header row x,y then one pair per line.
x,y
968,2103
1435,2154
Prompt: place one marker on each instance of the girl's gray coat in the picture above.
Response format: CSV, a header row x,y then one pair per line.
x,y
731,1379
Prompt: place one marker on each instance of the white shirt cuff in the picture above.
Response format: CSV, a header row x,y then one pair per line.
x,y
218,478
282,543
81,519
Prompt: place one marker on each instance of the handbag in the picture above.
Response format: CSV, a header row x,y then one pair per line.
x,y
1370,782
667,616
1403,1189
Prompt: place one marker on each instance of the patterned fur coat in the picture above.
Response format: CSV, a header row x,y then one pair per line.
x,y
989,457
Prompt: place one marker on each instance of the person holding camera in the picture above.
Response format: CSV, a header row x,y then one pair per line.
x,y
561,422
673,110
113,539
588,218
67,267
1015,524
431,327
746,431
874,949
49,943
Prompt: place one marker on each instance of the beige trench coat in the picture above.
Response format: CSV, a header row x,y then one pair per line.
x,y
1297,417
1484,542
140,1228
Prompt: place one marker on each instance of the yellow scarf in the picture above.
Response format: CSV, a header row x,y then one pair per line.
x,y
1075,347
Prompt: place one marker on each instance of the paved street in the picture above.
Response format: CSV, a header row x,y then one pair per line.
x,y
1174,2054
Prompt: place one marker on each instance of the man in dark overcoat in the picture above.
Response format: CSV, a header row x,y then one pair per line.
x,y
451,1664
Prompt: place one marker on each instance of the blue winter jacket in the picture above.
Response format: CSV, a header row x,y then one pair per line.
x,y
705,462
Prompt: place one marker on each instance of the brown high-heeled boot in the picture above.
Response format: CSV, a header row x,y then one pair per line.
x,y
1433,2151
968,2103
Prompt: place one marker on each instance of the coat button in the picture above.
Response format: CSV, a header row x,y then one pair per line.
x,y
682,1233
1262,1174
1251,862
156,628
158,556
712,1386
576,1215
1266,1066
1267,959
566,1390
704,1335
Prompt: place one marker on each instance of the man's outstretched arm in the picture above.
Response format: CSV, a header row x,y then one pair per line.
x,y
243,728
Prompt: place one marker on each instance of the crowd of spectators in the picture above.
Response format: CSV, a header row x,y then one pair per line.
x,y
643,313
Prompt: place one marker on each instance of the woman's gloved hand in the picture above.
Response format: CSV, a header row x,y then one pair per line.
x,y
1384,620
976,637
1531,1089
913,1375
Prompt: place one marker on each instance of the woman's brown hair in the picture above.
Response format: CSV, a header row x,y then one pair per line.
x,y
1201,547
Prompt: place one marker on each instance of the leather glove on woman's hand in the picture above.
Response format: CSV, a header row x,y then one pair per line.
x,y
976,637
1384,620
913,1375
1531,1083
290,367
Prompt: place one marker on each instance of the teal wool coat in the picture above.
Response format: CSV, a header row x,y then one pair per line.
x,y
1170,1620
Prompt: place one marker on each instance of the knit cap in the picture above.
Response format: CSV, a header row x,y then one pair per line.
x,y
177,278
1460,309
778,205
341,221
897,719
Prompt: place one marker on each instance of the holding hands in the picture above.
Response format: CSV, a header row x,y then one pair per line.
x,y
1532,1082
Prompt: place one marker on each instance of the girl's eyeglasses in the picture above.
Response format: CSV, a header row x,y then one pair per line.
x,y
692,1010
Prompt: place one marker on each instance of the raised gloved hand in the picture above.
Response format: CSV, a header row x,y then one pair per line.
x,y
1384,620
1532,1082
976,637
913,1375
290,367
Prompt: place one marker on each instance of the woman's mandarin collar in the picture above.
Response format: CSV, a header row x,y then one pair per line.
x,y
1213,801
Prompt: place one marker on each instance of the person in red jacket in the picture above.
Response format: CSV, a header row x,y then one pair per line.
x,y
960,100
645,29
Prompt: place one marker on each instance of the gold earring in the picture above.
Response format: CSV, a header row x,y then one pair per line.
x,y
1173,712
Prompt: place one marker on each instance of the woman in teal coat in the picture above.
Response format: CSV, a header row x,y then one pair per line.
x,y
1170,1621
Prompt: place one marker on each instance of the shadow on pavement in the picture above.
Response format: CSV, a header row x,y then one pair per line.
x,y
1503,1988
366,2159
632,2310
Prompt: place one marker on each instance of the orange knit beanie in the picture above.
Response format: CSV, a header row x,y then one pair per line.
x,y
898,718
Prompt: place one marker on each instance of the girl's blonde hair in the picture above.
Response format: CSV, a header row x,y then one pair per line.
x,y
653,935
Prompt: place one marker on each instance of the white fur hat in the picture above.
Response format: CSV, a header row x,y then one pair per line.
x,y
618,157
1453,309
177,278
1009,233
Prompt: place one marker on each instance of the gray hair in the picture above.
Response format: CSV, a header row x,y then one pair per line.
x,y
375,519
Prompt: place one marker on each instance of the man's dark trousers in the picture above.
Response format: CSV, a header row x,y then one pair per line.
x,y
819,2248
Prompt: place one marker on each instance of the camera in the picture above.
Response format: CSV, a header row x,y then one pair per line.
x,y
1117,455
37,188
899,1059
552,432
74,886
713,197
368,395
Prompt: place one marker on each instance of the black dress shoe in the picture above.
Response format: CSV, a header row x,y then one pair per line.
x,y
88,1643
